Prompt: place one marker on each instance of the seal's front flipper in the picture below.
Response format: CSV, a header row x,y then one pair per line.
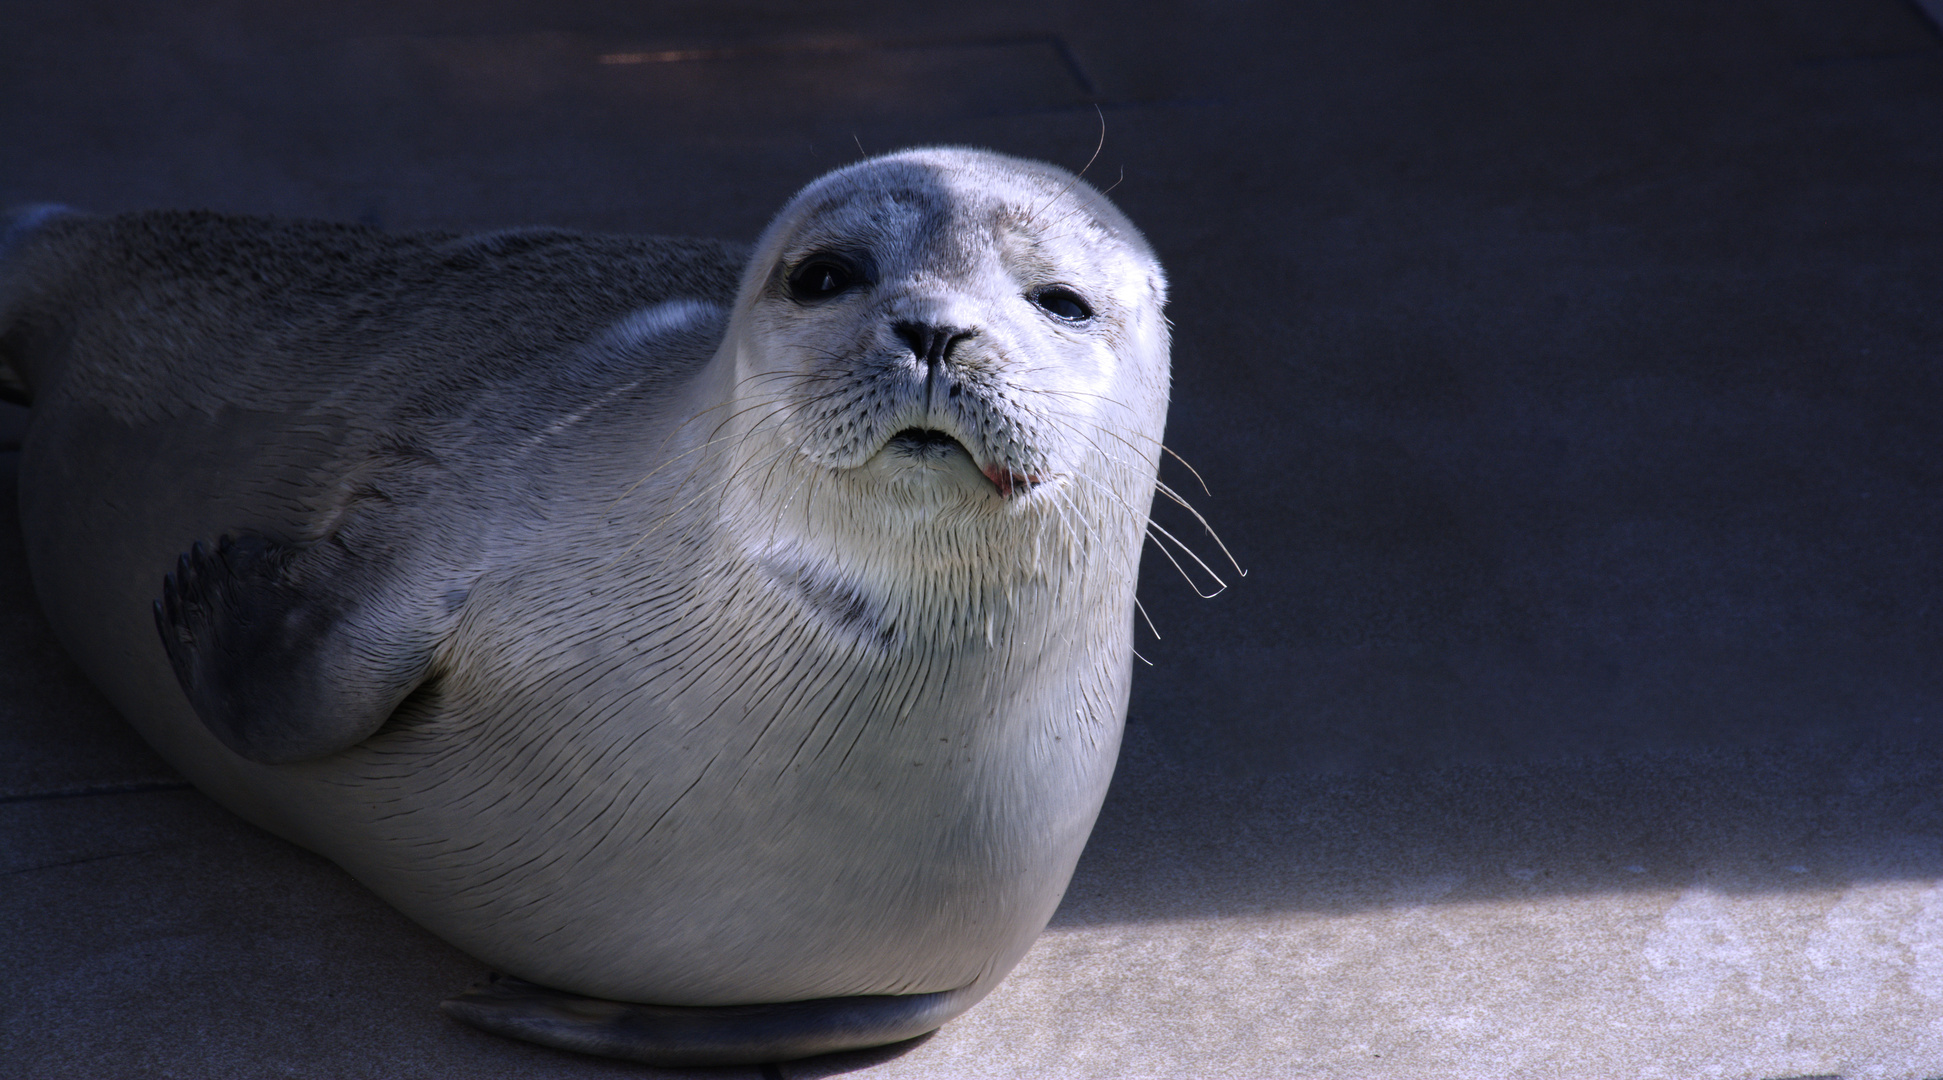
x,y
716,1035
287,654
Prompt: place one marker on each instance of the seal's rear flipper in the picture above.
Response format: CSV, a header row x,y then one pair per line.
x,y
717,1035
289,654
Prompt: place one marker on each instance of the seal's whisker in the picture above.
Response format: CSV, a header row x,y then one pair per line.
x,y
711,440
1157,527
1032,218
715,436
1108,190
1164,490
1165,449
747,464
1189,578
1158,533
652,472
1075,212
1061,506
1134,515
1212,535
665,440
713,486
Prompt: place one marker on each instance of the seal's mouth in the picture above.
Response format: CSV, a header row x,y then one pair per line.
x,y
925,444
930,444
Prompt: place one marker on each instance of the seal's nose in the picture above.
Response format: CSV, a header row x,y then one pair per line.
x,y
931,344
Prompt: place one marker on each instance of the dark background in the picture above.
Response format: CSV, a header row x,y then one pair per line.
x,y
1567,377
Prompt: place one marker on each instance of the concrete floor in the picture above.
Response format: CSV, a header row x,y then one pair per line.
x,y
1565,375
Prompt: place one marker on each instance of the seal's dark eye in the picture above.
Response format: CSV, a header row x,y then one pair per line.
x,y
820,278
1062,303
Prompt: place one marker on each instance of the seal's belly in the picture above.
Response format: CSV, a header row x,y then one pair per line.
x,y
631,828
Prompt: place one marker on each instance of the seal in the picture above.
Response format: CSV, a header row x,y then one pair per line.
x,y
730,646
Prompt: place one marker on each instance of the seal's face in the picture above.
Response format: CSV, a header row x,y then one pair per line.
x,y
940,399
957,325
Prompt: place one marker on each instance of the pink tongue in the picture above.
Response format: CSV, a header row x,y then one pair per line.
x,y
1005,481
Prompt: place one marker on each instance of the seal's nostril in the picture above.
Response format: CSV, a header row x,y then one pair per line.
x,y
927,342
930,344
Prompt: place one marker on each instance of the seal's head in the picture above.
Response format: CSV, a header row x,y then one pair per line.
x,y
949,336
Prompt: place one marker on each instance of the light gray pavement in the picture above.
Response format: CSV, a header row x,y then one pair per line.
x,y
1566,376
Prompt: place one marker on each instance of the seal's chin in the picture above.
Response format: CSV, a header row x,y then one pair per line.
x,y
934,450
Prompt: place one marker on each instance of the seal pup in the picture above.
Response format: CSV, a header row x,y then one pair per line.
x,y
730,646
